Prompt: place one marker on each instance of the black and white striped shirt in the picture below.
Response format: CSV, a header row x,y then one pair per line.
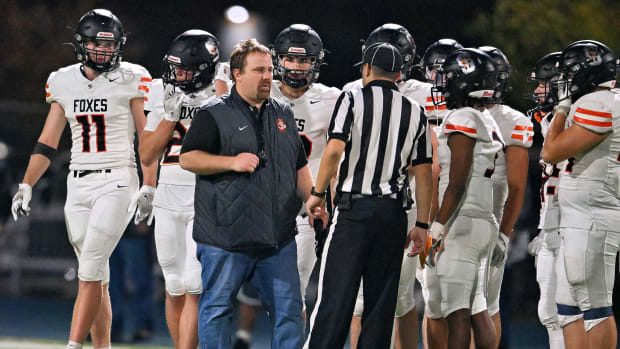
x,y
384,132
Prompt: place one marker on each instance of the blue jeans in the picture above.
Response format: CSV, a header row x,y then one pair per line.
x,y
277,280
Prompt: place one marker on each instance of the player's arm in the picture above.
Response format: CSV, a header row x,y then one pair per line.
x,y
461,160
149,173
436,170
561,144
50,136
516,172
153,143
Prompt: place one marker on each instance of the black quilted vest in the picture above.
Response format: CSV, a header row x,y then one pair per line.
x,y
250,211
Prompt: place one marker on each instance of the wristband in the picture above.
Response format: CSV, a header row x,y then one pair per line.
x,y
319,195
421,225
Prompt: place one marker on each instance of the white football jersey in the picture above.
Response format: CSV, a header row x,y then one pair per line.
x,y
171,172
478,199
99,114
516,130
418,91
590,184
313,111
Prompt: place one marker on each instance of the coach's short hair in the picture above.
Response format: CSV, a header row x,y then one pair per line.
x,y
241,51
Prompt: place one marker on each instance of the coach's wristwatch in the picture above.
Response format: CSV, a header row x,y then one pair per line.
x,y
319,195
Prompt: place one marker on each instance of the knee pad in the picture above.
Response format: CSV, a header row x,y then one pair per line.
x,y
174,284
568,314
94,270
594,317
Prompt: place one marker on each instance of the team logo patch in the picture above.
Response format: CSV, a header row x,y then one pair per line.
x,y
281,125
594,57
487,93
466,64
296,50
174,59
105,35
212,49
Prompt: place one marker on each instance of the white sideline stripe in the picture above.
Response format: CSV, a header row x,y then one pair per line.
x,y
14,343
321,275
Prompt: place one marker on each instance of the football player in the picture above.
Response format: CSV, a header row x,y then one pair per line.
x,y
298,55
187,83
589,192
509,179
102,99
405,317
545,246
434,327
465,228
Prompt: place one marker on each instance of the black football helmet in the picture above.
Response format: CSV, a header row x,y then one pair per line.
x,y
95,25
503,71
545,72
585,65
435,55
467,76
195,51
400,38
302,41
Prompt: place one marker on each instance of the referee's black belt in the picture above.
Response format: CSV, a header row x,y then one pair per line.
x,y
82,173
362,196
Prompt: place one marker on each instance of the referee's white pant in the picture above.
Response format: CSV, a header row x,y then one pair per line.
x,y
364,241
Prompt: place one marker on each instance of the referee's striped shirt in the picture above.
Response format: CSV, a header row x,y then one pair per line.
x,y
384,132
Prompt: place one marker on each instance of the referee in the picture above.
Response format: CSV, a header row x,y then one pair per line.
x,y
381,133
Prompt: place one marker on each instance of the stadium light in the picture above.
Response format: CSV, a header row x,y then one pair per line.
x,y
237,14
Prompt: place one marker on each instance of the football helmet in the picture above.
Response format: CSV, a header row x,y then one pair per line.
x,y
467,76
435,55
99,25
503,71
545,73
585,65
298,40
399,37
196,52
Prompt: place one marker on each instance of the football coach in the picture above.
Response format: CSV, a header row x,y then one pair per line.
x,y
252,177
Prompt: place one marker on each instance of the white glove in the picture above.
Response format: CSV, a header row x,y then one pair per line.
x,y
565,99
534,246
173,100
142,203
21,201
432,255
222,71
500,252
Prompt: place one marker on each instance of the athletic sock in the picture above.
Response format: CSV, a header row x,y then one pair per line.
x,y
244,335
74,345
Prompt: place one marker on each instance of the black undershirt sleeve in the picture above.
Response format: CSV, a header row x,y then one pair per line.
x,y
203,134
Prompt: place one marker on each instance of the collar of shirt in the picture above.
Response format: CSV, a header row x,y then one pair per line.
x,y
383,83
242,102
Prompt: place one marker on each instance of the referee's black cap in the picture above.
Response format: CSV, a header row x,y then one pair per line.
x,y
384,56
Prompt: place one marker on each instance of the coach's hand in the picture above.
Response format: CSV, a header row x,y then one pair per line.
x,y
500,252
142,203
245,162
21,201
173,100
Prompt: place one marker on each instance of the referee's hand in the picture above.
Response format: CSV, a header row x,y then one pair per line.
x,y
418,236
315,208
